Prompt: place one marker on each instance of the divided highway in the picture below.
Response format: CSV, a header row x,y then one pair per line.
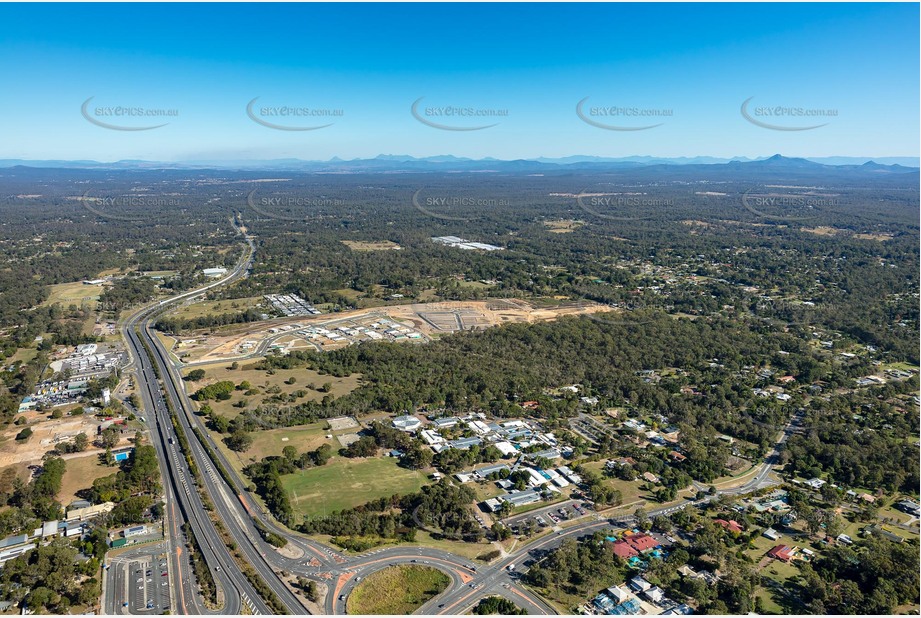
x,y
184,503
238,512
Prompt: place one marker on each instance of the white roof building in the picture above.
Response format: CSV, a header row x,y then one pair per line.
x,y
407,423
618,594
431,437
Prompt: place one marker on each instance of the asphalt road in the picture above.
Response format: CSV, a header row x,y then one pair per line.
x,y
340,574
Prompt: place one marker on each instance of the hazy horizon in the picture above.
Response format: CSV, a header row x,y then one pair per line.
x,y
319,81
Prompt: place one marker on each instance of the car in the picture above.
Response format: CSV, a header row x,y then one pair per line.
x,y
440,606
342,597
163,574
165,584
413,560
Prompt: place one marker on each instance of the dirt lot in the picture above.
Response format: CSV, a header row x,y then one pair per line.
x,y
80,473
45,434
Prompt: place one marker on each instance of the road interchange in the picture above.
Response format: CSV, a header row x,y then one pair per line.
x,y
239,513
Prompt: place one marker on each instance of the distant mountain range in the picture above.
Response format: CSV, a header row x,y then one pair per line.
x,y
407,163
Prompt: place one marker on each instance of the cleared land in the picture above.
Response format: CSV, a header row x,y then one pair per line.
x,y
271,442
269,385
562,227
396,590
216,307
457,314
80,472
371,245
76,293
345,483
46,433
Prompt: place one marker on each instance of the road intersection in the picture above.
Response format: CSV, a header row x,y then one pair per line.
x,y
238,512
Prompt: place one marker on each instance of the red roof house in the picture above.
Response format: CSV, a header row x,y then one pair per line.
x,y
623,550
782,552
731,525
642,542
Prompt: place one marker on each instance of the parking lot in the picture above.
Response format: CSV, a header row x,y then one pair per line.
x,y
550,516
141,584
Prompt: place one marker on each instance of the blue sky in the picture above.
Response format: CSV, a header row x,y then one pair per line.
x,y
536,62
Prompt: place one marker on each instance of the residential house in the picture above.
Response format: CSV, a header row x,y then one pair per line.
x,y
731,525
638,584
655,594
785,553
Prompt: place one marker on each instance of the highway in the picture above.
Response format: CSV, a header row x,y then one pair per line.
x,y
184,503
238,511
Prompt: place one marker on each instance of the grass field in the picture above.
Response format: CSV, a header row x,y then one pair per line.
x,y
630,490
272,441
303,378
396,590
768,603
75,293
79,473
216,307
344,483
23,355
460,548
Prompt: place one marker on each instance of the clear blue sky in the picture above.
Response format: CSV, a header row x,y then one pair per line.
x,y
536,61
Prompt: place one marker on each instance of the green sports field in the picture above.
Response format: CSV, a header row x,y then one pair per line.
x,y
344,483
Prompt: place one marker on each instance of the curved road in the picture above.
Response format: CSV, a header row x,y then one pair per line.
x,y
239,512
